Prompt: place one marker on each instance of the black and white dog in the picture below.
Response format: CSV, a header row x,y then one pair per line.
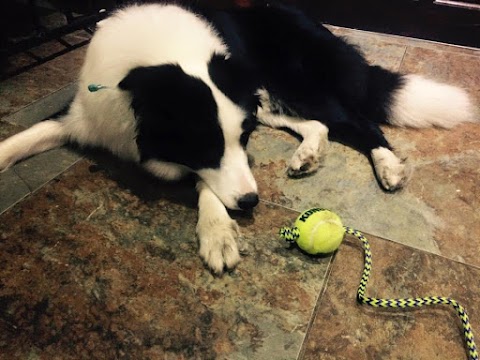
x,y
183,90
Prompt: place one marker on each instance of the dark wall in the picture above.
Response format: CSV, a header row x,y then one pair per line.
x,y
422,18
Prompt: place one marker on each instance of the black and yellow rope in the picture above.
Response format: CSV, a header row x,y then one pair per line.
x,y
289,234
409,302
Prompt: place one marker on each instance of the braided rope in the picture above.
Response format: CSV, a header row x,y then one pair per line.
x,y
409,302
289,234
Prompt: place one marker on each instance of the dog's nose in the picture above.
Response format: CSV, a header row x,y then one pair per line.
x,y
248,201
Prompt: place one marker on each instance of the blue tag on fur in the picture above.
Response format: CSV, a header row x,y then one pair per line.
x,y
95,87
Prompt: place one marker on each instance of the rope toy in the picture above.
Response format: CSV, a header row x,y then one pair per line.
x,y
293,234
316,231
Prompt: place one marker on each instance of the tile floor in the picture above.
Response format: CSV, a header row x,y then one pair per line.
x,y
98,260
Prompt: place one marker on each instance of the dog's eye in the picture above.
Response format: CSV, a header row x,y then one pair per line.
x,y
246,135
248,126
244,138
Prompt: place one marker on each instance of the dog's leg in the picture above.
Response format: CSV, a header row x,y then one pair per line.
x,y
165,170
392,172
367,137
307,158
43,136
216,231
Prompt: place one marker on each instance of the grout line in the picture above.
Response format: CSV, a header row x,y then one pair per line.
x,y
42,108
408,246
318,299
382,238
30,190
33,113
403,58
14,203
33,191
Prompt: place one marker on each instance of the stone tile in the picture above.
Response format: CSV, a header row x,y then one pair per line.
x,y
456,197
52,47
427,145
88,268
30,174
445,179
12,189
21,90
446,173
43,108
77,37
40,169
377,50
402,40
18,61
7,130
343,329
450,67
345,184
95,266
444,62
437,210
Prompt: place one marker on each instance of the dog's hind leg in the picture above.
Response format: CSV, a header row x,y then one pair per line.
x,y
307,158
392,172
367,137
43,136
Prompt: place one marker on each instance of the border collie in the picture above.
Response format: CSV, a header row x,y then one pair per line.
x,y
181,90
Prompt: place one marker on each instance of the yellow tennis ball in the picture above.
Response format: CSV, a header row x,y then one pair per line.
x,y
316,231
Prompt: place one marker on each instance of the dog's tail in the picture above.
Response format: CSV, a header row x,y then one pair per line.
x,y
414,101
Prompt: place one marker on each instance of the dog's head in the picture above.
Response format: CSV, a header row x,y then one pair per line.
x,y
186,121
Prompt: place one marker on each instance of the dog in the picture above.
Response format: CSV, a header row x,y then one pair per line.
x,y
180,90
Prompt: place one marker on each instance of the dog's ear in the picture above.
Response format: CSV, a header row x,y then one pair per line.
x,y
145,78
235,77
135,77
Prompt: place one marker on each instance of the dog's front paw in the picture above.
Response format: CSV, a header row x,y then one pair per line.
x,y
308,157
218,243
392,172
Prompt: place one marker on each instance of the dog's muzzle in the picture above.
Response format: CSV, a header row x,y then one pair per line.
x,y
248,201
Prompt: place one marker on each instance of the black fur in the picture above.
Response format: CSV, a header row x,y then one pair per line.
x,y
307,71
174,109
236,79
311,73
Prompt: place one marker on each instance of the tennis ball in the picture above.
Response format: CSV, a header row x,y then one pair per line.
x,y
316,231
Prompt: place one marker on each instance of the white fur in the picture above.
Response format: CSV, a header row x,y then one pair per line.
x,y
234,170
234,177
392,172
136,36
41,137
166,170
422,103
146,35
216,231
155,34
307,158
159,34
